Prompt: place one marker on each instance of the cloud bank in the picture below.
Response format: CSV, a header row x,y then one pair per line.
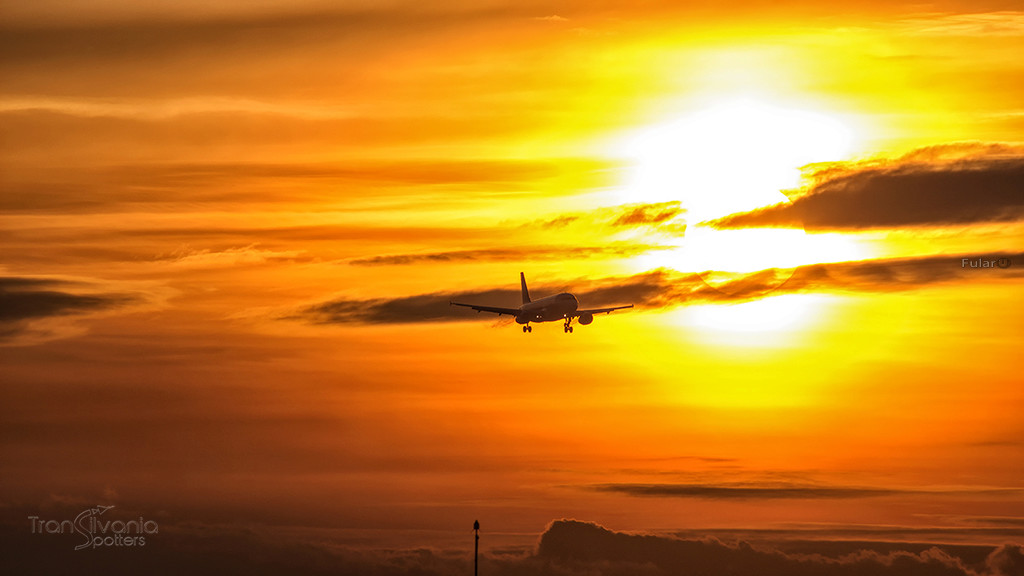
x,y
573,547
566,548
665,289
925,188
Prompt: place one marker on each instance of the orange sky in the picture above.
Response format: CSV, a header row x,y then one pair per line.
x,y
229,231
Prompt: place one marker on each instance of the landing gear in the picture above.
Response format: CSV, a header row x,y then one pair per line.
x,y
568,326
527,328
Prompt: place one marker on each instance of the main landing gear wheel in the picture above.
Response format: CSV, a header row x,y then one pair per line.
x,y
568,327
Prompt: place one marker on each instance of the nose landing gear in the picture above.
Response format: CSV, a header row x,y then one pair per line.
x,y
527,328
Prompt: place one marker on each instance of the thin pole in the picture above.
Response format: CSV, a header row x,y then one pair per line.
x,y
476,546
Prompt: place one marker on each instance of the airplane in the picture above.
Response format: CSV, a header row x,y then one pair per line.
x,y
562,306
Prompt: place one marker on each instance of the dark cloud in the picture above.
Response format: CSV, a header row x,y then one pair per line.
x,y
28,298
926,188
512,254
420,308
745,492
23,300
887,275
883,275
786,491
663,288
435,307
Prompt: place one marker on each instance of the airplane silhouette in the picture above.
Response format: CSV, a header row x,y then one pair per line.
x,y
562,306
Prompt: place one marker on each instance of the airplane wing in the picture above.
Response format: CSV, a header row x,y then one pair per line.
x,y
599,310
494,309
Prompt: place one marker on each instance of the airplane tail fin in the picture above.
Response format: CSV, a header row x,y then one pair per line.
x,y
526,292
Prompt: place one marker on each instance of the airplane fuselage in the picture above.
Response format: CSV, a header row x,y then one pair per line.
x,y
549,309
562,306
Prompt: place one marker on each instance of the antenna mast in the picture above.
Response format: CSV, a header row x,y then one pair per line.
x,y
476,546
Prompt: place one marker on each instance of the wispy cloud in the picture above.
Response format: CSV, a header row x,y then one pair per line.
x,y
158,109
982,521
103,187
649,214
1001,23
662,216
513,254
437,171
247,255
556,222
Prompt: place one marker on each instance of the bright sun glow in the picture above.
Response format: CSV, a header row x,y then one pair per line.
x,y
735,157
787,312
732,157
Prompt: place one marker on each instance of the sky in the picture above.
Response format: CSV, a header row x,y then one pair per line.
x,y
231,231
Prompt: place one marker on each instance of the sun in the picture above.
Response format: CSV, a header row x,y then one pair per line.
x,y
731,157
736,156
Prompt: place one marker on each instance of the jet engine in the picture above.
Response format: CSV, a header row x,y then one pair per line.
x,y
586,318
